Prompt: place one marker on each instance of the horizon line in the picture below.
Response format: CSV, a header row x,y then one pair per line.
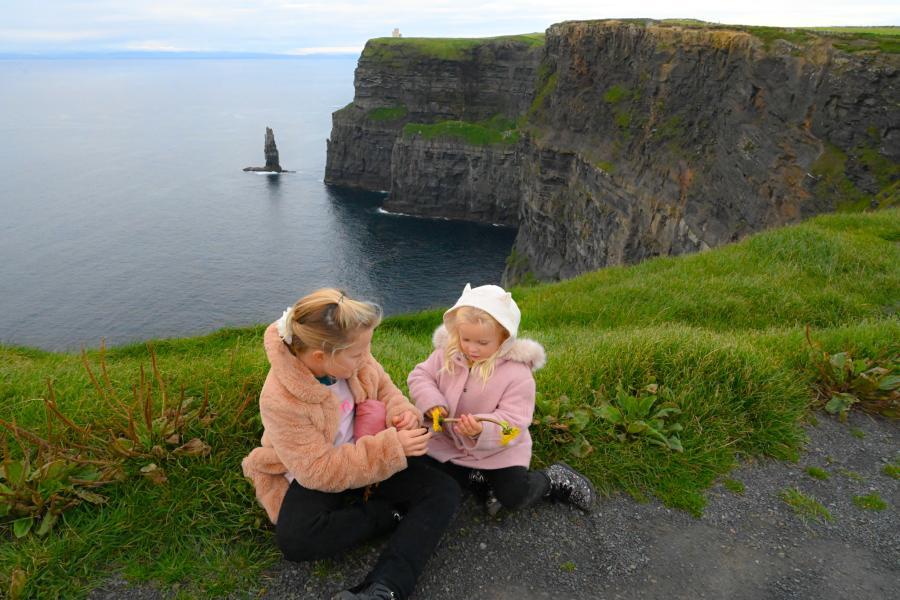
x,y
162,54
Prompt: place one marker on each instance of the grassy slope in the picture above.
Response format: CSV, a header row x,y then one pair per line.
x,y
440,48
723,330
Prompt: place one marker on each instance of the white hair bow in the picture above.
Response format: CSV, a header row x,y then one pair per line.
x,y
284,325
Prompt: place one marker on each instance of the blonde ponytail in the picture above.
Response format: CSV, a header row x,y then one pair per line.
x,y
329,320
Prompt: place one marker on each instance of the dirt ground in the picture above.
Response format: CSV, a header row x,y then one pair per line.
x,y
748,545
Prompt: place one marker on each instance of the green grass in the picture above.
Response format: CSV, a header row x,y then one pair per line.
x,y
805,506
870,502
616,94
734,486
851,475
496,131
849,39
440,48
892,471
723,331
884,31
387,113
817,473
547,82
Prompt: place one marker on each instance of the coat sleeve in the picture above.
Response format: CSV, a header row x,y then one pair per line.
x,y
394,401
423,383
516,407
316,463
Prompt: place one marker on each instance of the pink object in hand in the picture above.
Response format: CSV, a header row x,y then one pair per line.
x,y
369,419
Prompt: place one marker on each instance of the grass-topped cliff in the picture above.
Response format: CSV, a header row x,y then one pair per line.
x,y
388,48
720,335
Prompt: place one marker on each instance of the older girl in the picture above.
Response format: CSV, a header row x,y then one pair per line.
x,y
328,473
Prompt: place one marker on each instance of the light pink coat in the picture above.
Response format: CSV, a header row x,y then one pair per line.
x,y
301,417
508,395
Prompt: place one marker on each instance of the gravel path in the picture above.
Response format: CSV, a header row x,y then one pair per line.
x,y
750,545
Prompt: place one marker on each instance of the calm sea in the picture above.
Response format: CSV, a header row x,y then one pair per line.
x,y
125,215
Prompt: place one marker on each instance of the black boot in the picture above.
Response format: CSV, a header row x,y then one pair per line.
x,y
569,485
477,482
373,591
479,485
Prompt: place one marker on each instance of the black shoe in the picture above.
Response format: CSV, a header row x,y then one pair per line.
x,y
477,482
479,485
569,485
374,591
491,504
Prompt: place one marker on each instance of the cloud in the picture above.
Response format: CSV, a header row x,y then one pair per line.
x,y
319,26
157,46
49,35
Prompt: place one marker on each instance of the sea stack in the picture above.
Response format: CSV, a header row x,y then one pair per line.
x,y
271,152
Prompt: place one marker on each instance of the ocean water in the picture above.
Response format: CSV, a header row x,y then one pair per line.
x,y
125,213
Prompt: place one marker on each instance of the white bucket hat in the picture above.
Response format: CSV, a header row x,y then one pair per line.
x,y
493,300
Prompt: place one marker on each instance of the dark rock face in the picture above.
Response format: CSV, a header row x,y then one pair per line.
x,y
655,141
635,140
455,180
484,80
359,151
271,152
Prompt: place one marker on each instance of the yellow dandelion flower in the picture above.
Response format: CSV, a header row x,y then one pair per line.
x,y
507,433
436,420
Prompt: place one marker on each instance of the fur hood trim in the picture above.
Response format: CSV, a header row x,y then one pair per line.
x,y
523,350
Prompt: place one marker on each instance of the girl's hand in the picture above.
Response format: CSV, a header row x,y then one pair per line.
x,y
414,441
468,425
406,420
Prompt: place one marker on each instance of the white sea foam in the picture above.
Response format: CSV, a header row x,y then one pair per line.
x,y
400,214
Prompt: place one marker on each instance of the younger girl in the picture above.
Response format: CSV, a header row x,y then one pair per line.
x,y
325,484
480,376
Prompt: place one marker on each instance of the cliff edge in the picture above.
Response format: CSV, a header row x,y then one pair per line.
x,y
607,142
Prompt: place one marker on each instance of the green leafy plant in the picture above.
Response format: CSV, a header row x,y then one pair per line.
x,y
56,471
38,487
566,423
626,416
630,415
870,502
805,506
844,382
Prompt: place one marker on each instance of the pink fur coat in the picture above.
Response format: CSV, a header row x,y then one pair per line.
x,y
508,395
300,417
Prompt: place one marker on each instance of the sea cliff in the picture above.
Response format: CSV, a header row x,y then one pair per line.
x,y
608,142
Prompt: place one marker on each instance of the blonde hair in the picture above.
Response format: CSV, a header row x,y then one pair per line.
x,y
329,320
472,316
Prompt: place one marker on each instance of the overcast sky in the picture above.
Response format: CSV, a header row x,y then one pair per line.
x,y
298,27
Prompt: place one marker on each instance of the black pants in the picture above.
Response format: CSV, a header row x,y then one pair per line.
x,y
514,487
314,525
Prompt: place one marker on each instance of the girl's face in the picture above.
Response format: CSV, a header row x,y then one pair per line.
x,y
478,341
344,363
